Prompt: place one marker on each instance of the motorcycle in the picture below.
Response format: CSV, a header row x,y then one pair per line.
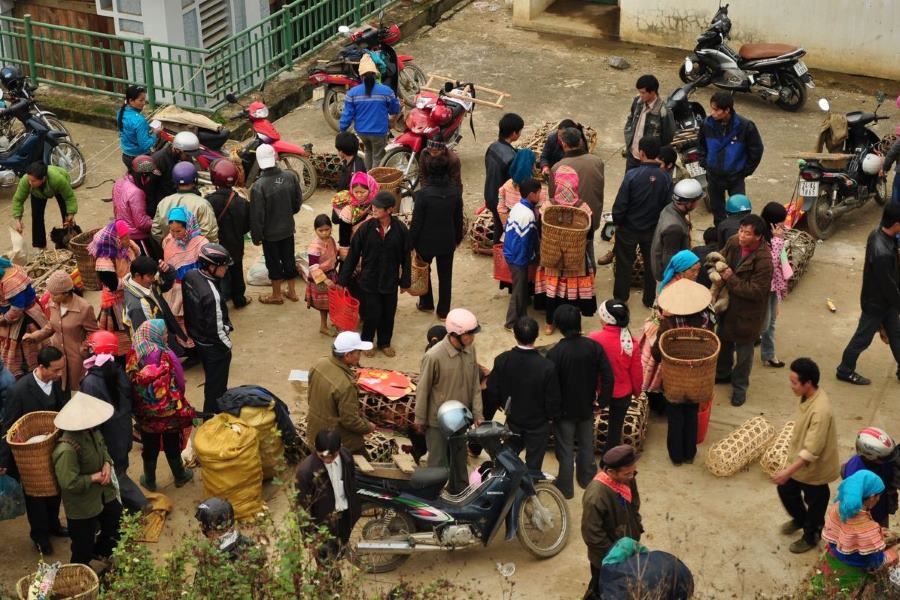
x,y
830,185
11,127
213,138
408,516
37,143
434,115
773,71
342,73
689,116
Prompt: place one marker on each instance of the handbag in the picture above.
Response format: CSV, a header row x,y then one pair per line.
x,y
12,498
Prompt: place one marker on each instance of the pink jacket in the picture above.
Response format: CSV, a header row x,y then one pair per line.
x,y
130,205
627,370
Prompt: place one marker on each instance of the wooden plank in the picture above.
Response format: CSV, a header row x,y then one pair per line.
x,y
388,471
362,464
404,462
818,156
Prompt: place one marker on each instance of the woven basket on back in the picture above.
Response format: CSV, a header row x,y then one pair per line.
x,y
482,233
800,247
740,447
389,180
86,263
73,582
689,363
564,232
420,276
35,461
775,457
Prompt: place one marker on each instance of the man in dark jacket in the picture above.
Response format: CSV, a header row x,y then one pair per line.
x,y
437,229
730,150
582,368
233,216
527,384
879,298
644,192
274,200
748,279
736,207
673,229
590,170
383,246
553,151
144,286
610,509
38,390
497,159
207,322
648,117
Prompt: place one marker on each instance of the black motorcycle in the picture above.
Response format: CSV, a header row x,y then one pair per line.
x,y
773,71
689,116
10,127
412,515
832,184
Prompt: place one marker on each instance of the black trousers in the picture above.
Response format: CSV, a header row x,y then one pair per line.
x,y
625,250
43,516
618,408
869,324
86,542
279,258
498,224
681,439
234,287
806,504
126,160
533,441
445,284
378,311
518,295
717,186
216,360
38,207
593,591
171,445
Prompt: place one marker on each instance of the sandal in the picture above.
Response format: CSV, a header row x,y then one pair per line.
x,y
327,331
270,299
292,297
388,351
369,353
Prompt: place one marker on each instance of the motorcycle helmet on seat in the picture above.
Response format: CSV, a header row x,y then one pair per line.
x,y
392,35
453,416
258,110
872,163
874,444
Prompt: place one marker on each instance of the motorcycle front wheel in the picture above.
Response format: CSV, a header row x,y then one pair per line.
x,y
792,95
819,223
67,156
544,521
411,80
399,158
882,191
333,105
304,170
383,525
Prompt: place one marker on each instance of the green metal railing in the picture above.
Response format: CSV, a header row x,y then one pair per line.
x,y
194,77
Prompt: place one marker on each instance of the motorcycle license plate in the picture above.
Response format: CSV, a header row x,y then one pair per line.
x,y
800,68
809,189
694,169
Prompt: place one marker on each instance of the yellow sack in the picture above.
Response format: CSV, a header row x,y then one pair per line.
x,y
228,452
271,448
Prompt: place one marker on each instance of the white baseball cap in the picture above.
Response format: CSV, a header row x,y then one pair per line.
x,y
348,341
266,156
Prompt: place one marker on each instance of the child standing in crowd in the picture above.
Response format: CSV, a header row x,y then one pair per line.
x,y
520,244
322,273
774,215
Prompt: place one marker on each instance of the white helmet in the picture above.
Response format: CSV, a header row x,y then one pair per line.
x,y
186,142
874,444
454,416
687,190
460,321
872,163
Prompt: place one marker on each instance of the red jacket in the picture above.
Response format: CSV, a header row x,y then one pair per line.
x,y
627,370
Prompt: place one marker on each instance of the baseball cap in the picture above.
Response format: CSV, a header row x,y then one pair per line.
x,y
348,341
266,156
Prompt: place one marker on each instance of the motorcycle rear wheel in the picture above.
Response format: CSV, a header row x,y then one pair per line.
x,y
67,156
882,191
411,80
819,224
333,105
529,532
300,165
383,526
798,92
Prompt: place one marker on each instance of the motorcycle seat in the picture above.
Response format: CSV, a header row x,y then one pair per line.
x,y
212,139
859,117
760,51
429,477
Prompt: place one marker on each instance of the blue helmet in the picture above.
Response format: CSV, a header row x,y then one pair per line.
x,y
184,173
737,203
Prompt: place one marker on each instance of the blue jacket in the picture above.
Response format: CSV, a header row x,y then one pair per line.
x,y
135,138
520,239
369,113
732,150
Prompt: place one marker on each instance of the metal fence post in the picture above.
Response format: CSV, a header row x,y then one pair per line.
x,y
287,36
357,17
29,45
147,57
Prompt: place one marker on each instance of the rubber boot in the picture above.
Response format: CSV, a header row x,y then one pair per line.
x,y
182,475
148,479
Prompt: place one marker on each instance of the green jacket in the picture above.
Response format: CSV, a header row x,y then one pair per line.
x,y
77,456
334,404
56,184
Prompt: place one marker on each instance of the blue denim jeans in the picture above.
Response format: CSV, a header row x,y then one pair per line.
x,y
767,347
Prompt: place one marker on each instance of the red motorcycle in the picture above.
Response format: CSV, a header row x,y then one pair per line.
x,y
435,116
342,73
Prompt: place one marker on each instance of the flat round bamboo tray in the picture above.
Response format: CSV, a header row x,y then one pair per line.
x,y
689,363
775,457
86,263
35,461
73,582
740,447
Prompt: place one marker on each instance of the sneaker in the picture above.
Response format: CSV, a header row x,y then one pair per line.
x,y
774,363
854,378
789,528
802,545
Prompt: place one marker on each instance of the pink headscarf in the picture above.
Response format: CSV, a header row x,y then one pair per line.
x,y
122,228
364,179
565,187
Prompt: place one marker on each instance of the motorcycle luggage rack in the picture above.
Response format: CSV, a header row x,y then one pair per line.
x,y
495,102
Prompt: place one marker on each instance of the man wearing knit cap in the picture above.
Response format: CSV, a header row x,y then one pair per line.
x,y
369,108
433,149
610,509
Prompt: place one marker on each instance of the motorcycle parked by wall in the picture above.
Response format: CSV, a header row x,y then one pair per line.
x,y
830,187
37,143
689,116
18,87
773,71
408,516
342,73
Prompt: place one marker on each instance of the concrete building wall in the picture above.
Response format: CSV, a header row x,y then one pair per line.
x,y
848,36
526,10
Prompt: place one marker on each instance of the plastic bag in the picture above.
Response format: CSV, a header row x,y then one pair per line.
x,y
271,448
12,498
258,274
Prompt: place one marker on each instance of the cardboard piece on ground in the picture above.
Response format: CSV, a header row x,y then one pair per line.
x,y
153,523
362,464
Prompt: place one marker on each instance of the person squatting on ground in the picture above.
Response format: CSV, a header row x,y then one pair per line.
x,y
520,247
216,519
42,182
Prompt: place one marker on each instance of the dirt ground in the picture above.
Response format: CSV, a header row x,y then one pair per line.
x,y
725,530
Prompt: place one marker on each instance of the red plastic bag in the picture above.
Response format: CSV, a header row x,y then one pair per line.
x,y
343,309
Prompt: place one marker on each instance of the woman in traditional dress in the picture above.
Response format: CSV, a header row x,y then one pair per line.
x,y
181,250
114,250
20,313
322,253
353,206
567,287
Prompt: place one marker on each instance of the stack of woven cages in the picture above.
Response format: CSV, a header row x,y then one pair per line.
x,y
634,431
481,233
775,457
42,266
397,415
564,231
535,142
800,247
740,447
328,168
379,446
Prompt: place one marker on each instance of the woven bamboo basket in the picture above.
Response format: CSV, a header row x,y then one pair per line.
x,y
35,461
399,414
564,232
86,263
634,431
389,180
535,142
482,233
740,447
637,269
328,168
775,457
689,363
800,247
73,582
420,278
380,447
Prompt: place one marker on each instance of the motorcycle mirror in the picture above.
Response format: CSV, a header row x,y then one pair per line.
x,y
824,104
879,96
688,65
344,30
232,99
